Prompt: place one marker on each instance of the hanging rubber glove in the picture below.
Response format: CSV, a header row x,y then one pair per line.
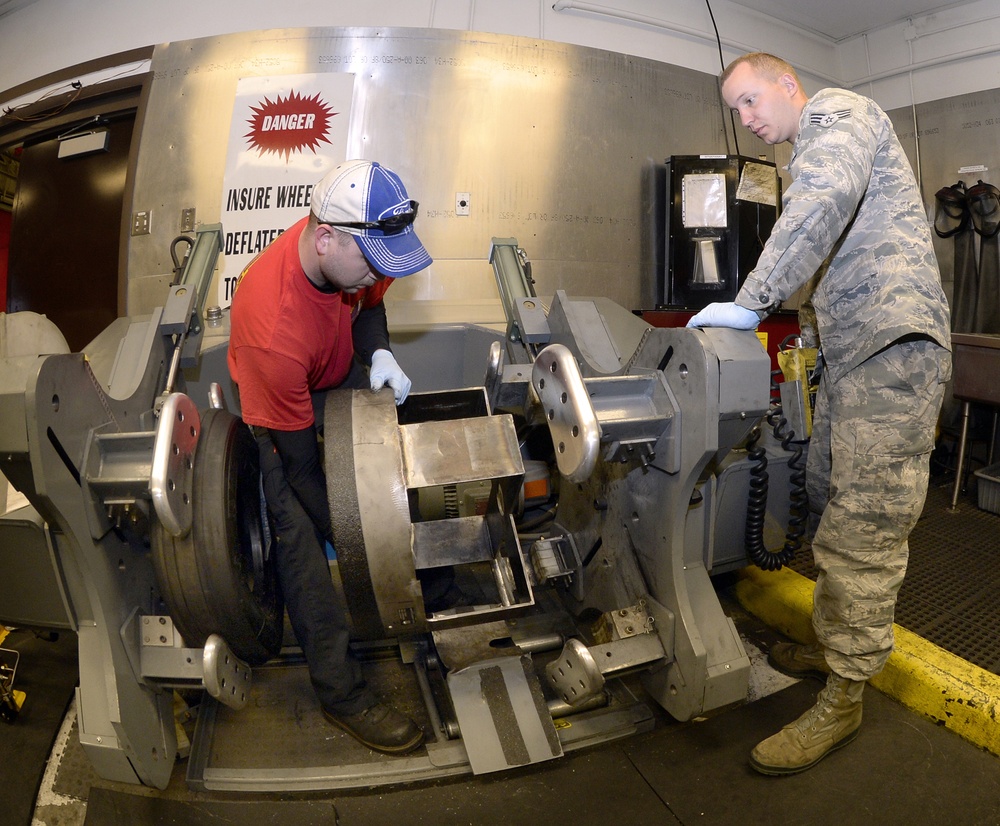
x,y
725,314
385,371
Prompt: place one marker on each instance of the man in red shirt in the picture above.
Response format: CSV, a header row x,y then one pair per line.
x,y
307,316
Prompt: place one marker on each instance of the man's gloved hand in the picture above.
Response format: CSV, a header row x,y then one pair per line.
x,y
725,314
385,371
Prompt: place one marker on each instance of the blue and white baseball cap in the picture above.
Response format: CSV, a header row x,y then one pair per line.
x,y
368,201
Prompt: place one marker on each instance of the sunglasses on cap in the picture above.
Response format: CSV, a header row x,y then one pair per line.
x,y
389,226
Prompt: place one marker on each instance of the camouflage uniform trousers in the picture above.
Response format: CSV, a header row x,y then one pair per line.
x,y
867,474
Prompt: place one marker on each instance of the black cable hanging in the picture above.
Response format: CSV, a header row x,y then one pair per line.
x,y
722,64
757,497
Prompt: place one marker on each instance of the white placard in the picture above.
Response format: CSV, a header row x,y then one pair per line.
x,y
286,133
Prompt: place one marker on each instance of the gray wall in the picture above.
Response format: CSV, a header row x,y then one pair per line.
x,y
954,135
554,142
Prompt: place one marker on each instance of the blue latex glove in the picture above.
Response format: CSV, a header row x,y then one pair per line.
x,y
385,371
725,314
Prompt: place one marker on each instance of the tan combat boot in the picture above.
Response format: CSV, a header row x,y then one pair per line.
x,y
831,723
799,660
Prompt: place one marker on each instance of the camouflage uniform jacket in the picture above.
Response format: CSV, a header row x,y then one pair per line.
x,y
852,217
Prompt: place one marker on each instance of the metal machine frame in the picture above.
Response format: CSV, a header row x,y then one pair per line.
x,y
641,420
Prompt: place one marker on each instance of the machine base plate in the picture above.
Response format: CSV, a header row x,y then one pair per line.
x,y
280,741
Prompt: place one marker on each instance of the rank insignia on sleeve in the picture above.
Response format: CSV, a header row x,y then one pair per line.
x,y
830,118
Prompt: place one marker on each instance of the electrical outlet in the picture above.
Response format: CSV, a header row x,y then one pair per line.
x,y
140,223
461,203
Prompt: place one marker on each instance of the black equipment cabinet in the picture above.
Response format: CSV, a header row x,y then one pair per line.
x,y
720,211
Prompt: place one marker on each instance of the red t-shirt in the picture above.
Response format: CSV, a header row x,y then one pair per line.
x,y
287,337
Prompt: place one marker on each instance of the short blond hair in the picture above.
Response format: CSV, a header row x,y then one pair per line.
x,y
766,65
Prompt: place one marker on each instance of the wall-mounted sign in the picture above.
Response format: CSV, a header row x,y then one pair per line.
x,y
286,133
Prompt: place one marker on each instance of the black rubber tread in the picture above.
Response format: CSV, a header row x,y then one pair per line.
x,y
208,579
345,517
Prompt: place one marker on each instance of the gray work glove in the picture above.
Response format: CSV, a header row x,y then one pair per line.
x,y
725,314
385,371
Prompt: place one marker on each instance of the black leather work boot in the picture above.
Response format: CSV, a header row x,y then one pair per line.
x,y
380,727
831,723
797,660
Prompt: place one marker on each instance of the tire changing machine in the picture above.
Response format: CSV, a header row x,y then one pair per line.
x,y
148,495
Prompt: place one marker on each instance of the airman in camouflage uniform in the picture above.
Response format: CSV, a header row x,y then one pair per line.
x,y
853,228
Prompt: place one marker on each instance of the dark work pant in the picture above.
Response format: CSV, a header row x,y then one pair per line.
x,y
314,608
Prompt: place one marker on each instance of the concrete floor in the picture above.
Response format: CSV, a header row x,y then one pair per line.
x,y
902,769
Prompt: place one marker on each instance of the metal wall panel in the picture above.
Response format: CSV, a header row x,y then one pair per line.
x,y
555,144
952,135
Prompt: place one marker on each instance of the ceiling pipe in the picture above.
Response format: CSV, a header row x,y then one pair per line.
x,y
941,60
676,28
646,20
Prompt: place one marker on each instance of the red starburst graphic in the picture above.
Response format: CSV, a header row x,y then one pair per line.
x,y
288,125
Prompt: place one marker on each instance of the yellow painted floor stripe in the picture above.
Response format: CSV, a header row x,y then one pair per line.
x,y
920,675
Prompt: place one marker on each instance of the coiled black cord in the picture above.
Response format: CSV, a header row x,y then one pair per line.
x,y
757,505
757,496
179,262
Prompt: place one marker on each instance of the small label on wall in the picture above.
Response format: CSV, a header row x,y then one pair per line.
x,y
965,170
